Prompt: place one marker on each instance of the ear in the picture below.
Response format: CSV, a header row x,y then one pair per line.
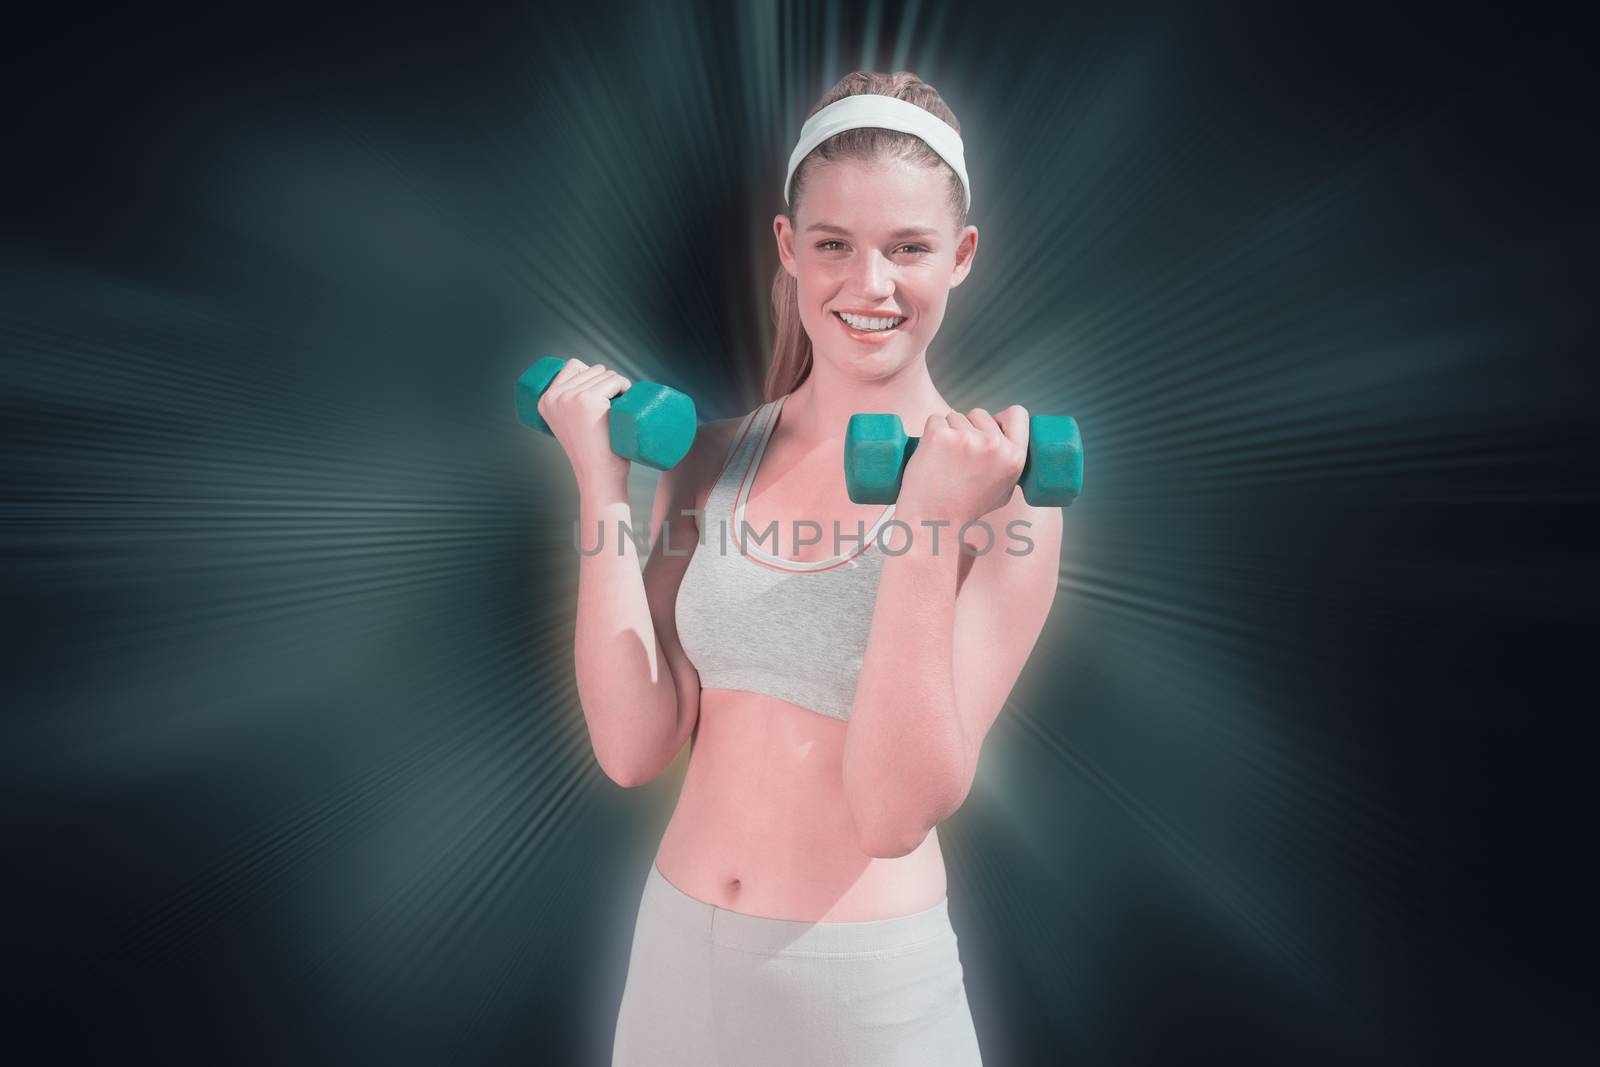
x,y
784,233
966,248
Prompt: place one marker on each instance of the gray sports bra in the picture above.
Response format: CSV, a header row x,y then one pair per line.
x,y
760,623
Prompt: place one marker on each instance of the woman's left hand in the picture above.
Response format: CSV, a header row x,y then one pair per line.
x,y
965,466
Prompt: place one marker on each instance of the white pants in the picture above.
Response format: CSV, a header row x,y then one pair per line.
x,y
710,987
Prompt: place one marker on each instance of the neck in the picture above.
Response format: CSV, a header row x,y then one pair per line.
x,y
820,407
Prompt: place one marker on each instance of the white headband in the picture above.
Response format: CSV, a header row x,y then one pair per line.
x,y
880,112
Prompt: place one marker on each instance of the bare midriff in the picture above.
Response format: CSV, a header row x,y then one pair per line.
x,y
762,825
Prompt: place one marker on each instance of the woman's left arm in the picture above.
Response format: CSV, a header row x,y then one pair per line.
x,y
946,646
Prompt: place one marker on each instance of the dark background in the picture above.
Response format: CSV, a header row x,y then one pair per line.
x,y
293,765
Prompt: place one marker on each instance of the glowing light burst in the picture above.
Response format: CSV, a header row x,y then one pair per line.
x,y
301,591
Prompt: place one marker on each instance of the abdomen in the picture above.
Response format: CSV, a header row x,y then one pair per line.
x,y
762,825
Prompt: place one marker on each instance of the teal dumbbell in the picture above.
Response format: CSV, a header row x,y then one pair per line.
x,y
876,450
650,423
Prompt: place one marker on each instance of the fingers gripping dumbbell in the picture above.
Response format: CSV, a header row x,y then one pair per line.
x,y
650,423
876,450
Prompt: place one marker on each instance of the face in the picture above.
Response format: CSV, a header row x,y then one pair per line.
x,y
851,249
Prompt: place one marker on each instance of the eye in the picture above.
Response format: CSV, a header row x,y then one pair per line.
x,y
823,246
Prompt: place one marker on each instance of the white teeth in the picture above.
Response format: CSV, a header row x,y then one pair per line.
x,y
862,322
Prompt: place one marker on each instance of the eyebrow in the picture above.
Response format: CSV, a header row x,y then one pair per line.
x,y
909,231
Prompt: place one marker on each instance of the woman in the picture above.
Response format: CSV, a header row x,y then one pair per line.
x,y
835,690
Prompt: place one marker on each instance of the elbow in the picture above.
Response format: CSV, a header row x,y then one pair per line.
x,y
890,834
881,834
625,776
891,845
631,775
635,758
629,780
627,770
889,839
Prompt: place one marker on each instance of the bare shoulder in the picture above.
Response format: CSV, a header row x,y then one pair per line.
x,y
689,483
714,437
711,444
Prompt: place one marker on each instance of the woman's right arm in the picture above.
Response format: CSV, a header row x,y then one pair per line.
x,y
638,690
640,693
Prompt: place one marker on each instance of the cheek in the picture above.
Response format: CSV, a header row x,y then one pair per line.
x,y
929,302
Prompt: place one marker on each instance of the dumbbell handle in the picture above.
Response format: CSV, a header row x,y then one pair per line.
x,y
649,423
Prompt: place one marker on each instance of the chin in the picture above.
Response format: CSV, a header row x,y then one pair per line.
x,y
862,362
866,366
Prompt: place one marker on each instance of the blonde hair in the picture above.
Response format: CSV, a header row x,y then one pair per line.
x,y
791,346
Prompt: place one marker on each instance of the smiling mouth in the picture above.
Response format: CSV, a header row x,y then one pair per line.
x,y
859,326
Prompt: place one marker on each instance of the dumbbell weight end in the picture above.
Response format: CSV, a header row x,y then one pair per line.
x,y
650,424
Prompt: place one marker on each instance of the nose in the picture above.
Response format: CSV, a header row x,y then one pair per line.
x,y
876,276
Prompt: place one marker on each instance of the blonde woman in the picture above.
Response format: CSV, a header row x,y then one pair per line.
x,y
833,666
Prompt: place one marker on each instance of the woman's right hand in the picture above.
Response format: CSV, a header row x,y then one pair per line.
x,y
577,408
